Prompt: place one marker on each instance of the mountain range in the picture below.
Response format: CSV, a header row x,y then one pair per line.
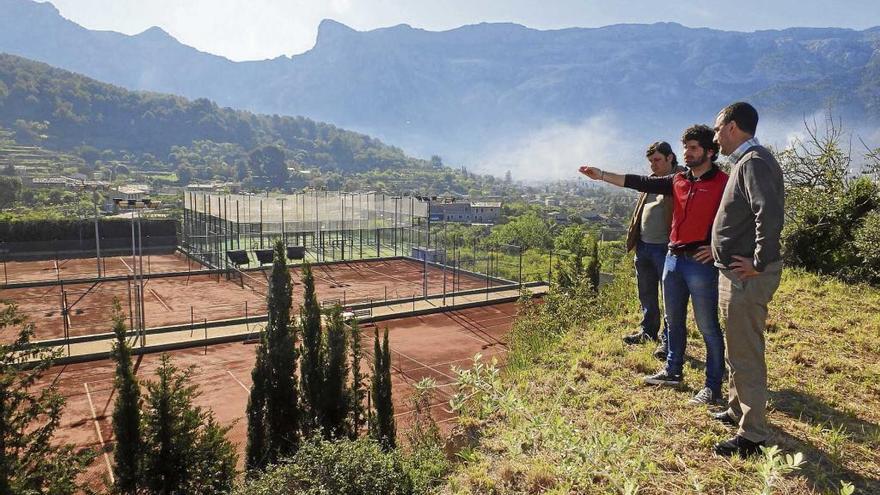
x,y
487,92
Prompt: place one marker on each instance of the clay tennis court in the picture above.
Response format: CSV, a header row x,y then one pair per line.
x,y
192,299
421,346
83,268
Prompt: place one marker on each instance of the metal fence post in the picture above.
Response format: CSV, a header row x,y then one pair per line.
x,y
520,268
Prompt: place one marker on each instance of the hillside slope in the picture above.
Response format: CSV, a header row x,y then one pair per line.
x,y
576,419
61,110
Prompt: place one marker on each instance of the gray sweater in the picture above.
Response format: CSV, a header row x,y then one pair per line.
x,y
749,219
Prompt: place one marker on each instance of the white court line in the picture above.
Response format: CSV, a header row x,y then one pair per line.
x,y
160,300
126,264
430,367
472,332
423,365
432,406
246,389
98,429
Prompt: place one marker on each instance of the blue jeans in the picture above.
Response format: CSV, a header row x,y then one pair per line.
x,y
649,262
685,277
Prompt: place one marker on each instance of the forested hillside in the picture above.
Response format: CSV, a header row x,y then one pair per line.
x,y
62,110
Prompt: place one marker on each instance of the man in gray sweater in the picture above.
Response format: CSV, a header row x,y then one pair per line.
x,y
746,247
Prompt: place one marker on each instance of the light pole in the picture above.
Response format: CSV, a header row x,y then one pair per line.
x,y
137,250
283,236
97,241
342,216
317,230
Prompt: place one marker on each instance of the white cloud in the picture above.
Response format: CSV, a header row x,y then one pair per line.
x,y
556,151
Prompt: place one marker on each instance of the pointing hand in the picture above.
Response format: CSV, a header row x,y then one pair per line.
x,y
591,172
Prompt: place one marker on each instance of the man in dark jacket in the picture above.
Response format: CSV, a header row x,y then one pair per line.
x,y
688,272
648,236
746,248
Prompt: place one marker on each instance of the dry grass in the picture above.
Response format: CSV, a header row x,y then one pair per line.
x,y
578,419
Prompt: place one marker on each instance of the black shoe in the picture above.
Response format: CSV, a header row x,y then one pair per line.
x,y
738,445
724,418
638,338
661,350
663,378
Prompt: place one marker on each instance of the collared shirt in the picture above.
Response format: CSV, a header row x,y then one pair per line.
x,y
741,150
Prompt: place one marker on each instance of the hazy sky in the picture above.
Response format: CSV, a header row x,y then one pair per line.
x,y
259,29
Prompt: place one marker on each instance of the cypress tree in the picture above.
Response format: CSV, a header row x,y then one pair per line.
x,y
282,408
214,459
169,429
384,430
336,394
30,462
126,411
273,412
185,451
357,414
311,376
255,451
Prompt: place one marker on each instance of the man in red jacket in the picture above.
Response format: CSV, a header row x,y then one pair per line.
x,y
689,272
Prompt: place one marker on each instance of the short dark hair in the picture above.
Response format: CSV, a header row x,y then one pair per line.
x,y
744,114
664,149
704,135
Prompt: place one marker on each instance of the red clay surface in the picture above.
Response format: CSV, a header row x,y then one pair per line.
x,y
79,268
423,346
192,299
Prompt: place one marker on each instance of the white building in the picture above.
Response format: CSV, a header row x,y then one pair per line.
x,y
459,211
131,191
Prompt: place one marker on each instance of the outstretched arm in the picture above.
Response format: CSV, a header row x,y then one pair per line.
x,y
599,174
642,183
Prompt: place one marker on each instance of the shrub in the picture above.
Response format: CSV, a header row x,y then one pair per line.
x,y
827,208
322,467
867,244
425,458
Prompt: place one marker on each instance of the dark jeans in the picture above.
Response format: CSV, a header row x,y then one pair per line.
x,y
649,261
683,278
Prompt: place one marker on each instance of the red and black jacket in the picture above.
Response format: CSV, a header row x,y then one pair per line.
x,y
695,202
